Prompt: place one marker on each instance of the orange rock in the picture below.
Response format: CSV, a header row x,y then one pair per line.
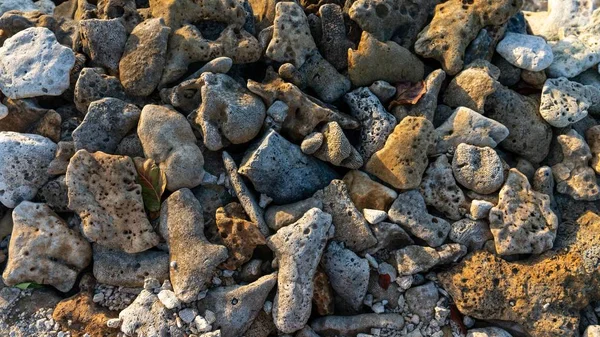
x,y
366,193
86,317
323,294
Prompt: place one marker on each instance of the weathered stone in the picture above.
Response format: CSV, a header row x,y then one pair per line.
x,y
93,84
565,102
556,14
104,192
295,43
279,216
177,12
147,316
525,51
488,332
416,259
374,216
389,236
422,300
479,169
334,43
439,189
383,90
472,86
117,268
348,273
336,148
366,193
592,136
43,249
55,194
348,326
427,104
471,233
103,41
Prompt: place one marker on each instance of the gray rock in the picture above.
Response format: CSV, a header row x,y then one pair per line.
x,y
34,64
107,121
298,248
422,300
525,51
65,150
130,146
334,41
55,194
280,170
103,41
565,102
120,269
478,168
489,332
389,236
439,189
17,5
416,259
93,84
350,326
347,272
471,233
427,104
509,74
383,90
278,216
410,212
147,316
24,159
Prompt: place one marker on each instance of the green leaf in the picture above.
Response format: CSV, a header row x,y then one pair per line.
x,y
153,182
28,285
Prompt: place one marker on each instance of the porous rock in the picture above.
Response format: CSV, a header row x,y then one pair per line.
x,y
439,189
147,316
566,102
472,86
471,233
323,295
422,300
389,236
334,42
348,273
121,269
103,41
414,259
592,136
367,193
278,216
525,51
93,84
335,148
347,326
478,168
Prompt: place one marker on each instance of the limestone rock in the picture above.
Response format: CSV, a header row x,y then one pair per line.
x,y
147,316
17,5
439,189
411,260
592,136
117,268
455,25
43,249
389,236
422,300
472,86
123,10
334,42
384,90
471,233
34,64
427,104
193,257
103,41
374,216
525,51
168,139
177,12
64,152
410,212
294,43
55,194
478,168
366,193
298,248
24,159
522,222
336,149
104,192
558,14
93,84
352,325
403,159
387,61
279,216
348,273
565,102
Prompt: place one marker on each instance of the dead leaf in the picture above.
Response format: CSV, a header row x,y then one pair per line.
x,y
153,182
408,93
384,281
456,317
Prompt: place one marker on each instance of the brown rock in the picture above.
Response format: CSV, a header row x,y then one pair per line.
x,y
471,86
63,155
323,294
80,315
278,216
366,193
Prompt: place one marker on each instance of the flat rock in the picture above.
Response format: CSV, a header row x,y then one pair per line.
x,y
525,51
278,216
104,192
439,189
147,316
414,259
348,326
121,269
24,159
26,67
347,272
566,102
367,193
479,169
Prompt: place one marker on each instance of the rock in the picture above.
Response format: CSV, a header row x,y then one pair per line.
x,y
548,19
55,194
298,248
17,5
108,120
130,146
455,25
229,112
374,216
280,170
366,193
531,292
534,78
195,257
422,300
525,51
565,102
235,307
439,189
574,176
117,268
168,299
592,136
529,135
144,57
383,90
376,123
26,67
471,233
348,273
295,43
335,148
24,159
279,216
488,332
43,249
403,159
410,212
347,326
104,192
334,42
176,13
472,86
479,169
427,104
351,227
103,41
312,143
147,316
323,296
168,139
411,260
85,316
592,331
93,84
389,236
276,115
522,222
387,61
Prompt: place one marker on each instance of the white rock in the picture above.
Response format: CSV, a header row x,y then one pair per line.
x,y
592,331
525,51
45,6
565,102
18,5
168,299
480,209
3,111
378,308
33,63
571,57
114,323
404,282
187,315
374,216
202,324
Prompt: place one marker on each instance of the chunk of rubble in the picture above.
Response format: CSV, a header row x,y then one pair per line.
x,y
353,325
367,193
439,189
147,316
566,102
334,147
347,272
411,260
479,169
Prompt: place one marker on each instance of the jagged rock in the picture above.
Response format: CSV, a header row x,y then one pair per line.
x,y
389,236
479,169
334,42
525,51
565,102
471,233
177,12
366,193
348,326
384,90
93,84
168,139
279,216
403,159
335,148
104,192
409,211
193,257
147,316
411,260
558,14
427,104
522,222
439,189
129,270
374,216
376,123
532,292
64,152
103,41
348,273
455,24
574,176
387,61
25,71
280,170
123,10
43,249
351,227
295,43
480,209
298,248
472,86
235,306
24,159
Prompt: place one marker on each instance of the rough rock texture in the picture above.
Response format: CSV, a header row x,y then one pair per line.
x,y
104,192
280,216
574,176
366,193
471,233
439,189
525,51
548,20
375,60
592,136
193,257
81,316
347,326
117,268
55,194
411,260
103,41
455,24
479,169
294,43
565,102
522,222
43,249
24,159
389,236
472,86
427,104
422,300
93,84
33,63
410,212
488,332
403,159
280,170
177,12
334,147
298,248
544,294
146,316
347,272
168,139
334,42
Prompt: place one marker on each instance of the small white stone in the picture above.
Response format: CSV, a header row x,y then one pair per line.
x,y
378,308
187,315
99,297
480,209
368,301
114,323
202,324
268,306
173,264
592,331
468,321
372,262
401,302
415,319
404,282
374,216
151,284
441,313
210,316
168,299
525,51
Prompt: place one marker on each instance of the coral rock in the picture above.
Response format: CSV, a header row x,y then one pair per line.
x,y
472,86
439,189
366,193
565,102
349,274
478,168
416,259
336,148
